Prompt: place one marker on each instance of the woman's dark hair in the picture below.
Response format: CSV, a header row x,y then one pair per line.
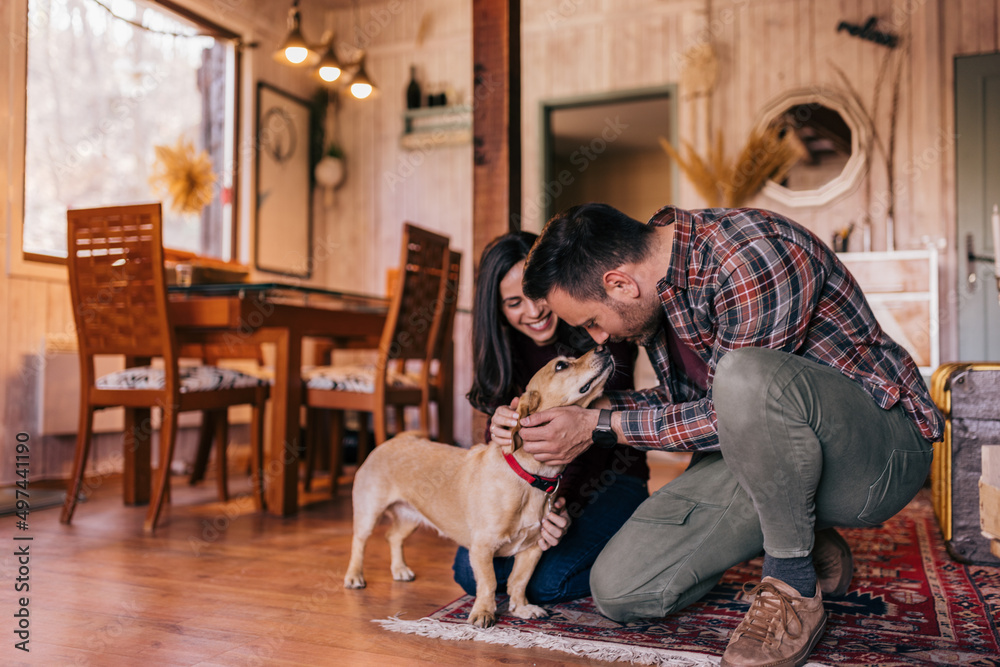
x,y
492,380
578,246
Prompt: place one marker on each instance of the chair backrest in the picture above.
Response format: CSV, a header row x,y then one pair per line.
x,y
444,320
117,281
409,330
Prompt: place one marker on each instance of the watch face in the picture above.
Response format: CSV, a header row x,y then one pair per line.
x,y
604,439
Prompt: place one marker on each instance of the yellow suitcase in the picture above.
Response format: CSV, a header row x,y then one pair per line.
x,y
969,396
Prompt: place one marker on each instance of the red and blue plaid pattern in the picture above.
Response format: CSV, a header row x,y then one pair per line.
x,y
752,278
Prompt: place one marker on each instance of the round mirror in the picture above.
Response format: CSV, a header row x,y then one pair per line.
x,y
831,136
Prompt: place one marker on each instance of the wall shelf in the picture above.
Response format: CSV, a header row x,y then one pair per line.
x,y
436,126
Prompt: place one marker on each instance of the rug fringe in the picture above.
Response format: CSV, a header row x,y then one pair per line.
x,y
428,627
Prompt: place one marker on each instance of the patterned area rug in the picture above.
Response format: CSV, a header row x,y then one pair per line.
x,y
909,604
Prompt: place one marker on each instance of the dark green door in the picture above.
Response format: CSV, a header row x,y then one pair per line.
x,y
977,123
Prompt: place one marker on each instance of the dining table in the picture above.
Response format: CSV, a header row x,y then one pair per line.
x,y
283,315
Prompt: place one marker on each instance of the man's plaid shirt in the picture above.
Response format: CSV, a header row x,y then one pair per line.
x,y
752,278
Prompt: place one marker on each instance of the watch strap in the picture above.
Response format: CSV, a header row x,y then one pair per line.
x,y
604,421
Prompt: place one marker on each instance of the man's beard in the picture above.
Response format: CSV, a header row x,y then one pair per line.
x,y
643,328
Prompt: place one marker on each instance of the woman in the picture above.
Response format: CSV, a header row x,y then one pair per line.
x,y
513,337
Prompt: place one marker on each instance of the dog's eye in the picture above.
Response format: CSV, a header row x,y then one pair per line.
x,y
561,366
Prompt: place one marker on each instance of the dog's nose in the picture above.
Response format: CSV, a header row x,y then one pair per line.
x,y
602,349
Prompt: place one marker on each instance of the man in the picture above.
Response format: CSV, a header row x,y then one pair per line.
x,y
801,412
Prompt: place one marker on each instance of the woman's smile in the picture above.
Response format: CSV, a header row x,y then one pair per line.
x,y
534,319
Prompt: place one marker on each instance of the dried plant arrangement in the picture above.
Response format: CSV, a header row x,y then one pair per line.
x,y
893,59
768,154
704,175
185,175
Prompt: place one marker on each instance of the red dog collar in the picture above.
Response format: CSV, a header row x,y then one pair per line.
x,y
546,484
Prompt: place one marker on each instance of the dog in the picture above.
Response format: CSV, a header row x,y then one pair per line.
x,y
473,496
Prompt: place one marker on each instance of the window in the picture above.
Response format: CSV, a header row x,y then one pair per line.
x,y
107,82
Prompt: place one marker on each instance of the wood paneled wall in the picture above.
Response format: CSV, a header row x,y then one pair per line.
x,y
569,48
387,185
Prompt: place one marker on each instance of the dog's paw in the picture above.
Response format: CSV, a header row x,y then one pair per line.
x,y
354,581
482,618
403,573
528,611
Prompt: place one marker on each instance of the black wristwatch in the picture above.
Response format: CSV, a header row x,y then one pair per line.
x,y
603,436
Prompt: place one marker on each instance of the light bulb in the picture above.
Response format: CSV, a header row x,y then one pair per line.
x,y
329,74
296,54
361,90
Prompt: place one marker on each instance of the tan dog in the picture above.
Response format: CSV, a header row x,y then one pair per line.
x,y
472,496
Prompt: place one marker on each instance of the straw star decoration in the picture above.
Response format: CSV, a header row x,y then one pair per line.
x,y
185,175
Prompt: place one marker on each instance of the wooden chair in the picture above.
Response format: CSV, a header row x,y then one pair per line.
x,y
118,287
215,423
441,369
409,336
437,373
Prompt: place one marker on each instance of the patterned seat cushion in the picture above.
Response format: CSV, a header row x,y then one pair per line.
x,y
193,378
357,378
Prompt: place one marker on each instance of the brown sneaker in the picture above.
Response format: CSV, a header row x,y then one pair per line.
x,y
780,629
833,562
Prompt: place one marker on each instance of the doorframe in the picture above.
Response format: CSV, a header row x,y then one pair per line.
x,y
547,106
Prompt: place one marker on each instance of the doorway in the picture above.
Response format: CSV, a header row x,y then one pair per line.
x,y
606,149
977,159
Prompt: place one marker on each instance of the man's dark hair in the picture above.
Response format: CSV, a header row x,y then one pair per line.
x,y
578,246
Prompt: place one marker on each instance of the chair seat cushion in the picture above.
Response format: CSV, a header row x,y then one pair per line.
x,y
193,378
357,378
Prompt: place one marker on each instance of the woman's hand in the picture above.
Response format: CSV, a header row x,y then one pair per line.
x,y
503,420
554,525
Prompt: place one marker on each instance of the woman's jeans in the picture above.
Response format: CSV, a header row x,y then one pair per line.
x,y
563,573
803,447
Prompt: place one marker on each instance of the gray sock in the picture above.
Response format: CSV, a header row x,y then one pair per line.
x,y
798,573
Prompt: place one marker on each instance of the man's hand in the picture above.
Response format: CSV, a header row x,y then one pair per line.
x,y
558,435
554,525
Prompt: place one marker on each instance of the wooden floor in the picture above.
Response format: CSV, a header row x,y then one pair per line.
x,y
222,585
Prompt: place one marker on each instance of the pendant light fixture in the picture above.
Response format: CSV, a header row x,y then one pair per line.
x,y
329,68
296,51
361,85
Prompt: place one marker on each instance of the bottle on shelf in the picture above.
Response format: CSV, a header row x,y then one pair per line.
x,y
413,94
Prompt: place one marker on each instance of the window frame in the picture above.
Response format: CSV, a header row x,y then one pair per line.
x,y
19,110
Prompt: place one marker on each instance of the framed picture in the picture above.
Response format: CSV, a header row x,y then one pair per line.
x,y
284,198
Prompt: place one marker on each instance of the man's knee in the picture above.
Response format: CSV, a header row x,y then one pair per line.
x,y
618,602
626,603
627,586
745,372
740,389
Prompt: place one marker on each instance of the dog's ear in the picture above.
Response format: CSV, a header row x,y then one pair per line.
x,y
529,403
